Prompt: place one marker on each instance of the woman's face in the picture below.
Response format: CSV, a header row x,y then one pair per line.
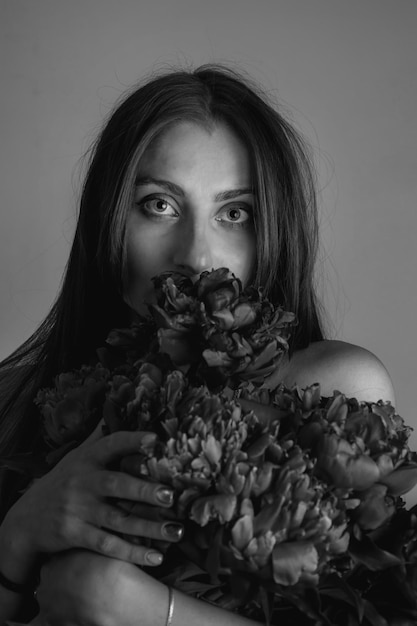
x,y
193,209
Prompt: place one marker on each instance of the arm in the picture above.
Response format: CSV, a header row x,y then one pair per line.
x,y
86,588
76,505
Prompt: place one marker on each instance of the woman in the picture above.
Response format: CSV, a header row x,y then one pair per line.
x,y
194,170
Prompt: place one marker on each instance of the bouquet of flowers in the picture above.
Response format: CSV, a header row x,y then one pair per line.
x,y
291,501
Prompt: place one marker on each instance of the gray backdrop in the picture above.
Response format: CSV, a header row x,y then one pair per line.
x,y
344,69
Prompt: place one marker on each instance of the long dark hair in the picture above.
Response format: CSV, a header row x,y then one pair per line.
x,y
90,302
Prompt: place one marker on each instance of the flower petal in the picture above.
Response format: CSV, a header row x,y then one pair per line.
x,y
291,560
242,532
401,480
208,508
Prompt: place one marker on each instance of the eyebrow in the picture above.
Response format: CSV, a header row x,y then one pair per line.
x,y
230,194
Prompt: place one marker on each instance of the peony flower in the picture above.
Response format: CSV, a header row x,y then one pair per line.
x,y
231,332
69,410
290,500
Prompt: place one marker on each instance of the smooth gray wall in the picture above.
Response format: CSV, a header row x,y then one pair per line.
x,y
344,69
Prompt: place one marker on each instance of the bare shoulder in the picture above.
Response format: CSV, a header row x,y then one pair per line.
x,y
340,366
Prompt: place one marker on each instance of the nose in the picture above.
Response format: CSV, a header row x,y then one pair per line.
x,y
193,253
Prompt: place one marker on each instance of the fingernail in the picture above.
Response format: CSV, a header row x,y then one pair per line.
x,y
165,496
154,558
173,531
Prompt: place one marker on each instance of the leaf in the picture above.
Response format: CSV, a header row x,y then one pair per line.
x,y
305,601
266,600
345,593
258,447
194,588
263,358
272,381
373,616
243,588
189,578
369,554
213,556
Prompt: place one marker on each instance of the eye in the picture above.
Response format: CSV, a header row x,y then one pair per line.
x,y
236,215
157,207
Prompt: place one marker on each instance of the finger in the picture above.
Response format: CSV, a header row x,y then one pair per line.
x,y
122,443
125,487
98,540
123,522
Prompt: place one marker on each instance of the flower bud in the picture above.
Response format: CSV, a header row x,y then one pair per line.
x,y
338,409
311,397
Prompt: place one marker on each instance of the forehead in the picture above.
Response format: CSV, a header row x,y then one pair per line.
x,y
190,147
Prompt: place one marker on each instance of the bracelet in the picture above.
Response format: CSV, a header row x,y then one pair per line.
x,y
170,607
21,588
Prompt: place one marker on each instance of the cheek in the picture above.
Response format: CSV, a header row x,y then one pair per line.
x,y
143,262
241,258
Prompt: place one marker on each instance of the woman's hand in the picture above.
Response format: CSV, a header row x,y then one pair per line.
x,y
81,503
